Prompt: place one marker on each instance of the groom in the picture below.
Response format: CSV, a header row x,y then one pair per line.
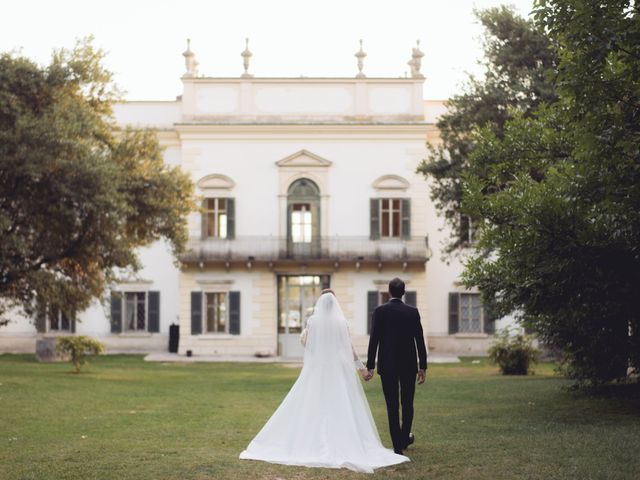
x,y
396,333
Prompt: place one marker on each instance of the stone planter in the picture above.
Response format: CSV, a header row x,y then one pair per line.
x,y
46,349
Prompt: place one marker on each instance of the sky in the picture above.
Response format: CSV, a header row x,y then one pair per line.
x,y
144,39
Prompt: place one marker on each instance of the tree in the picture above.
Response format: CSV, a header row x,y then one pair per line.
x,y
559,240
517,57
77,195
78,348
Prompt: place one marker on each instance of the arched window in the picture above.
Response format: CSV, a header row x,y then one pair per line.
x,y
303,216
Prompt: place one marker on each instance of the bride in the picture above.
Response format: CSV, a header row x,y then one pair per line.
x,y
325,420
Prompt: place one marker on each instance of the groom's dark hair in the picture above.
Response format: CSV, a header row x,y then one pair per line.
x,y
396,287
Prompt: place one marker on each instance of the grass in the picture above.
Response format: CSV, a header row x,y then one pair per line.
x,y
124,418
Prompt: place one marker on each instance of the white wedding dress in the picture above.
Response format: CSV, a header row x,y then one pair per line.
x,y
325,419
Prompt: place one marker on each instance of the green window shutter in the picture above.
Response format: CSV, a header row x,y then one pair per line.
x,y
374,212
372,303
196,313
406,218
41,316
234,313
489,318
411,298
72,319
116,312
231,218
154,311
203,221
465,229
454,312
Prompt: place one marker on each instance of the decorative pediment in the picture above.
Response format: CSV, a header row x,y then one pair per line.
x,y
216,181
303,158
391,182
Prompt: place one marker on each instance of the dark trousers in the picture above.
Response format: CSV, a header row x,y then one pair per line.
x,y
407,384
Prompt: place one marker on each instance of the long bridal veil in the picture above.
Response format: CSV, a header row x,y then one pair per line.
x,y
325,419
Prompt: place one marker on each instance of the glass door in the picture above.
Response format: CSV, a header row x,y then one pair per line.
x,y
297,295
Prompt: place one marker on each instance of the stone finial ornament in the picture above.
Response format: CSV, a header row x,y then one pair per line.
x,y
190,62
416,61
360,54
246,57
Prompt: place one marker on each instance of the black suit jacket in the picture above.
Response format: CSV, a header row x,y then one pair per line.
x,y
396,333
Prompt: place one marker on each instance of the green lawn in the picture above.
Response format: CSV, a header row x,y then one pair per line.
x,y
127,419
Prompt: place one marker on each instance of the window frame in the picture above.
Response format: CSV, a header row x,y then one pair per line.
x,y
217,213
470,295
125,327
390,211
59,314
306,209
205,312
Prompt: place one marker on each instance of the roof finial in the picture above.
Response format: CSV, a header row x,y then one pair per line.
x,y
246,56
360,54
416,61
190,62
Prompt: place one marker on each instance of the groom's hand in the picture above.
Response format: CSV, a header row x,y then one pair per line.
x,y
368,375
421,376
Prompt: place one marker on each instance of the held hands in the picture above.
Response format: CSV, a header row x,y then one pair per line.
x,y
366,374
421,376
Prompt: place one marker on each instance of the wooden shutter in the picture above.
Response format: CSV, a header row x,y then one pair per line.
x,y
203,219
154,311
374,212
465,229
196,313
489,316
72,321
116,312
454,312
372,303
41,316
231,218
410,298
406,218
234,313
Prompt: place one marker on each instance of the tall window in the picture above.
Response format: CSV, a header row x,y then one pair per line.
x,y
216,312
301,223
390,218
467,314
470,313
58,320
467,232
390,215
216,218
135,311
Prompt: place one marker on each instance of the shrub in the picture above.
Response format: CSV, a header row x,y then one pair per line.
x,y
77,348
513,353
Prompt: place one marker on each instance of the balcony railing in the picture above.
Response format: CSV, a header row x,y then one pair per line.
x,y
270,248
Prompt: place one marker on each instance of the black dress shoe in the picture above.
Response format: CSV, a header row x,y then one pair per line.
x,y
399,452
412,439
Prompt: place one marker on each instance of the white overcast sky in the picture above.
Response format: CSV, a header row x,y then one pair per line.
x,y
144,39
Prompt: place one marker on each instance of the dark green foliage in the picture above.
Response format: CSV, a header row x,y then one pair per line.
x,y
513,353
559,196
77,197
517,57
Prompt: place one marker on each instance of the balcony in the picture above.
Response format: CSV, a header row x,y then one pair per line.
x,y
270,249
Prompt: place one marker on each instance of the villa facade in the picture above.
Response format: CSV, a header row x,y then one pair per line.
x,y
304,183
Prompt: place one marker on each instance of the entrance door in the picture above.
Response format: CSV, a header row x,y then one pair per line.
x,y
297,295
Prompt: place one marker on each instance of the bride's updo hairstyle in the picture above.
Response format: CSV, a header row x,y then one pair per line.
x,y
327,290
